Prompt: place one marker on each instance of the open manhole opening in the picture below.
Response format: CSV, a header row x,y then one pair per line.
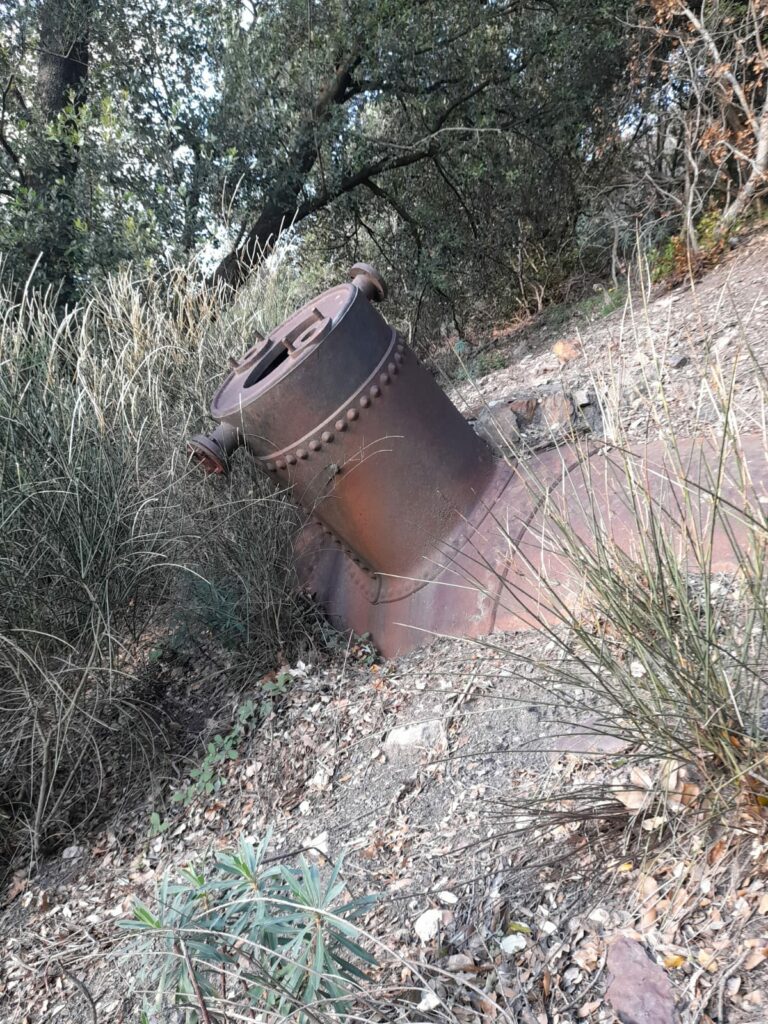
x,y
311,328
265,366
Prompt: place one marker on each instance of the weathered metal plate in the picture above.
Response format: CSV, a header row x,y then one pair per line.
x,y
514,569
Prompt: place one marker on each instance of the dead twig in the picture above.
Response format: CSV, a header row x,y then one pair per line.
x,y
205,1015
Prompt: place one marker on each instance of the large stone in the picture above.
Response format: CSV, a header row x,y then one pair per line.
x,y
557,410
499,423
537,420
589,739
638,989
524,410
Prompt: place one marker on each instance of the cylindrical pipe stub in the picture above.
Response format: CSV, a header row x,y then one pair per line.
x,y
212,451
369,281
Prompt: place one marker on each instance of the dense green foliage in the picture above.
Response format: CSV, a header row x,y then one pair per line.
x,y
447,141
482,152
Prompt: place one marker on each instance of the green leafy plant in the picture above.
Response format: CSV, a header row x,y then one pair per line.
x,y
253,936
675,259
157,825
206,778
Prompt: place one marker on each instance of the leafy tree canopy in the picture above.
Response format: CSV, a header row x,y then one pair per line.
x,y
434,135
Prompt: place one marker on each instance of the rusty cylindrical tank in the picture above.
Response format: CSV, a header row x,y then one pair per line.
x,y
416,529
335,405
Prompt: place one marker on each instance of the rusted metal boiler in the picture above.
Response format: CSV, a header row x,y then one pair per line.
x,y
416,529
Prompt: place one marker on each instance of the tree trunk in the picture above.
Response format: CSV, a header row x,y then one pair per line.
x,y
279,207
62,80
758,178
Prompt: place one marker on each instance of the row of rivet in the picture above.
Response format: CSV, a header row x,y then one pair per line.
x,y
352,414
347,551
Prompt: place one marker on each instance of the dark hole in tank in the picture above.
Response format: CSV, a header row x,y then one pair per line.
x,y
260,371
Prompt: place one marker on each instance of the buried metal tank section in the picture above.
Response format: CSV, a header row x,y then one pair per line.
x,y
416,529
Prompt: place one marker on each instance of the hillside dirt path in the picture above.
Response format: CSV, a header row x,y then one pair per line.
x,y
429,822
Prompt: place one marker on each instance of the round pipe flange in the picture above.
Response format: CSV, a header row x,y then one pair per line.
x,y
212,451
369,281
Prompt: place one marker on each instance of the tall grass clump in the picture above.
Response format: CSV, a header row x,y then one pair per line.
x,y
109,541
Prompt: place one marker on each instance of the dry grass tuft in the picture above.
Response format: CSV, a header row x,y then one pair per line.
x,y
110,541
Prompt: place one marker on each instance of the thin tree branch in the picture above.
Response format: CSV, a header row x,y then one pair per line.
x,y
459,197
721,68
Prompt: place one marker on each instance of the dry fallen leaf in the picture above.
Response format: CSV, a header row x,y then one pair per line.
x,y
716,852
459,962
633,799
546,983
691,793
707,960
636,796
649,890
757,956
673,961
17,886
587,956
651,824
487,1006
566,351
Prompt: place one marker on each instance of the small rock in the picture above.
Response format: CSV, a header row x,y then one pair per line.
x,y
582,398
429,1001
427,925
409,739
71,852
512,944
459,962
678,361
447,897
639,990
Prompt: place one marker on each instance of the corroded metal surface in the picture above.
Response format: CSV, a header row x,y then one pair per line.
x,y
416,529
334,405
